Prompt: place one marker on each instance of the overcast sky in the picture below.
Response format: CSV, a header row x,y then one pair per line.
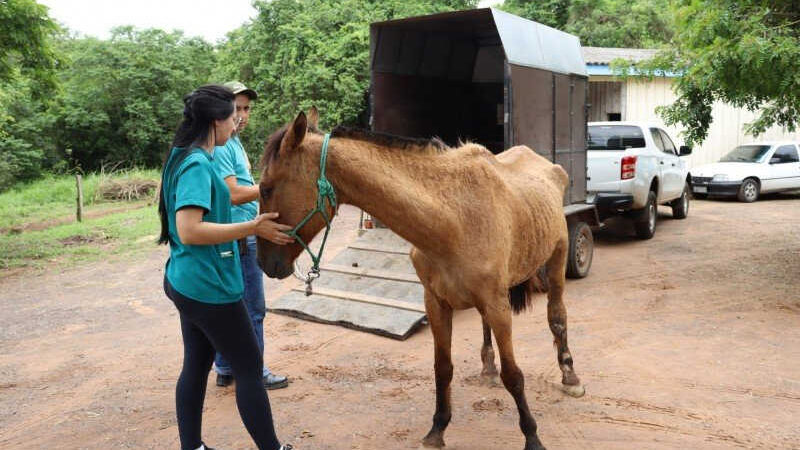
x,y
204,18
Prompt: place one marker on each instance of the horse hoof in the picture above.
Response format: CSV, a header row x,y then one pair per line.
x,y
490,380
575,390
433,442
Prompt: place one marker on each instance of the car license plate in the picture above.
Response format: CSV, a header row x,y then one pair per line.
x,y
701,189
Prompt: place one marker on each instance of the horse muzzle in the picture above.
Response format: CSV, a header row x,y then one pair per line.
x,y
274,267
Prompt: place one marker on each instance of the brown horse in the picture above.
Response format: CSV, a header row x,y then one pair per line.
x,y
481,225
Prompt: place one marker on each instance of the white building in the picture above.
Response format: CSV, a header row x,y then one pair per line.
x,y
637,99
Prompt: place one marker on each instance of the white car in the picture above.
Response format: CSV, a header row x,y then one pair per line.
x,y
750,170
634,167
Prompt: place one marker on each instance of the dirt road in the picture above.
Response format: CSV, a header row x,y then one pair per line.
x,y
689,340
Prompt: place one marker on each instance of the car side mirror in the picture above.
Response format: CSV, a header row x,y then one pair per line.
x,y
685,150
775,160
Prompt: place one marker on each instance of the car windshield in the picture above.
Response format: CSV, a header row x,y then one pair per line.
x,y
746,153
615,137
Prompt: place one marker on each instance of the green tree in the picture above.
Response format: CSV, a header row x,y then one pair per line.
x,y
28,66
743,52
25,40
602,23
298,53
553,13
122,98
22,117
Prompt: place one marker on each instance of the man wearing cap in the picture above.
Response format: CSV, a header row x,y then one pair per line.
x,y
233,166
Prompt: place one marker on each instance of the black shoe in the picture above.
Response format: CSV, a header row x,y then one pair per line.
x,y
272,381
224,380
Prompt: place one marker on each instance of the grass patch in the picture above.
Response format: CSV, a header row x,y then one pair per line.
x,y
93,239
53,197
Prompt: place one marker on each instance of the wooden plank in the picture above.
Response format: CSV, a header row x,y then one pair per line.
x,y
376,319
378,248
371,273
356,297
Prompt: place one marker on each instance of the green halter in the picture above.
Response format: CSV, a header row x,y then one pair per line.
x,y
325,192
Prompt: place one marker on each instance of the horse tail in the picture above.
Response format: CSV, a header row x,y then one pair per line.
x,y
521,295
518,297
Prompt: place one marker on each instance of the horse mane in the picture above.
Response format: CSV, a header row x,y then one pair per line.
x,y
422,145
272,146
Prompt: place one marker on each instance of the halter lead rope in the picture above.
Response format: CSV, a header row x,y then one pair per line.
x,y
325,193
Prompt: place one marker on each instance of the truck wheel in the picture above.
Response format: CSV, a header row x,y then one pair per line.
x,y
680,206
748,191
581,250
645,223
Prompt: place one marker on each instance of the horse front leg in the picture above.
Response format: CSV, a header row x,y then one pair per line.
x,y
489,372
499,318
557,318
440,317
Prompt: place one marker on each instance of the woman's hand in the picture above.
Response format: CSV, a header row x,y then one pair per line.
x,y
272,231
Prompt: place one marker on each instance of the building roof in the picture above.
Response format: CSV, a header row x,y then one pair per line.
x,y
598,60
604,55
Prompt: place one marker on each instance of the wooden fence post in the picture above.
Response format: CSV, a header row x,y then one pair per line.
x,y
80,197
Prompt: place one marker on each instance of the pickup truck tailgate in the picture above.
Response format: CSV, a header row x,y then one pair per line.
x,y
603,170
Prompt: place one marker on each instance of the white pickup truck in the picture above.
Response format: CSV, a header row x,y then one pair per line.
x,y
634,167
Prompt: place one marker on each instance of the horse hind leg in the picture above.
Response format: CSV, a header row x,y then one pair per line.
x,y
489,375
500,321
557,318
440,318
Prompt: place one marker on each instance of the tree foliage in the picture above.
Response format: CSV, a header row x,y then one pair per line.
x,y
298,53
743,52
28,66
602,23
25,40
553,13
22,119
121,98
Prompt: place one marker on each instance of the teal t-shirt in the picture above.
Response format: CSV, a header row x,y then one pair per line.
x,y
206,273
231,160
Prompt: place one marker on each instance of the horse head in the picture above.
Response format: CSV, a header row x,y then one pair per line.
x,y
288,186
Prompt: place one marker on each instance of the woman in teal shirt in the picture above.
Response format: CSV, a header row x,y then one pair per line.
x,y
203,275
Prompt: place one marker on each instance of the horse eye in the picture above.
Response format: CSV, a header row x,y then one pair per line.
x,y
265,191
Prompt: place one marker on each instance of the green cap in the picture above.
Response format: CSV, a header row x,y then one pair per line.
x,y
239,88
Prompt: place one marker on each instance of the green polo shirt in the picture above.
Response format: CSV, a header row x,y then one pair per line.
x,y
206,273
231,160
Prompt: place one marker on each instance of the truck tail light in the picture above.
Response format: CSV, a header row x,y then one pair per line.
x,y
628,167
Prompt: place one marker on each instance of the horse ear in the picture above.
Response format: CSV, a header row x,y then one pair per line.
x,y
295,133
313,117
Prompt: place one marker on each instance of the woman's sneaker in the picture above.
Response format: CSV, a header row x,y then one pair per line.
x,y
286,447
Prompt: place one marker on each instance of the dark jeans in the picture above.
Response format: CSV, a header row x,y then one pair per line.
x,y
226,328
253,300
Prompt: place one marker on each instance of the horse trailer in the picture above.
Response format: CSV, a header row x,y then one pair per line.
x,y
493,78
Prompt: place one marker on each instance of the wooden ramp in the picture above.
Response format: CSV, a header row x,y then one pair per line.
x,y
369,286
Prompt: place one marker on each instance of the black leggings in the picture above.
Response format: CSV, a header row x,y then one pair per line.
x,y
226,328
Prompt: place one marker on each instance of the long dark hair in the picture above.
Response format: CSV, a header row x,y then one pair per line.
x,y
201,108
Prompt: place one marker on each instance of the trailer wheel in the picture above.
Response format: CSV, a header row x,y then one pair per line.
x,y
581,249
